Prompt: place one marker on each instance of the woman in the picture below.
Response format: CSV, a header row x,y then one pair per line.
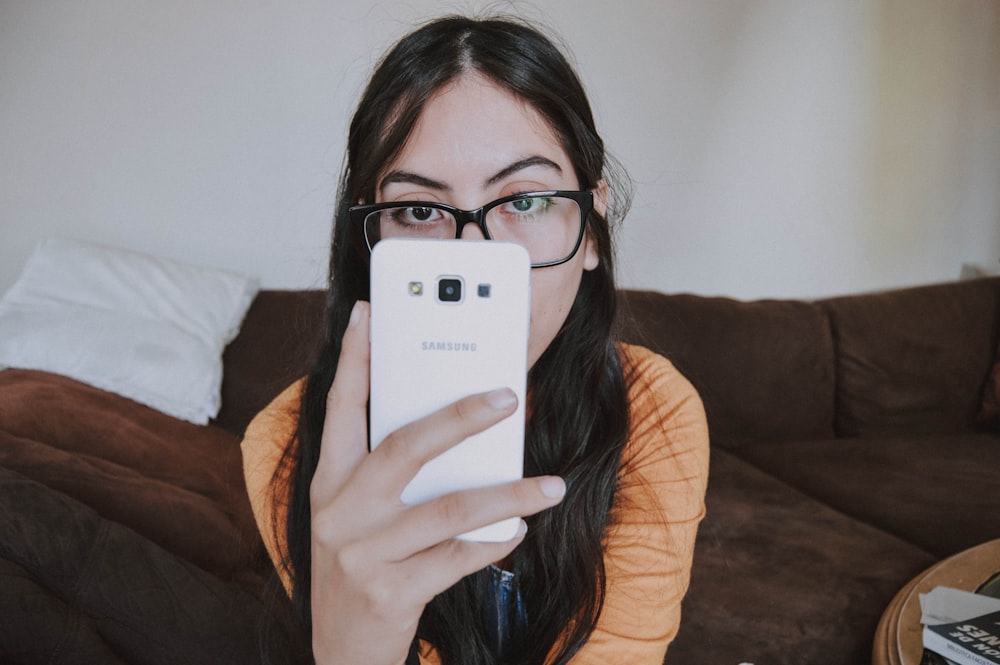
x,y
464,112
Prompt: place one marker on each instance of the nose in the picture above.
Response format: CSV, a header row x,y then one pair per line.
x,y
471,231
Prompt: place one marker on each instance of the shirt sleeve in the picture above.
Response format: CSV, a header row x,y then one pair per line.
x,y
267,437
661,500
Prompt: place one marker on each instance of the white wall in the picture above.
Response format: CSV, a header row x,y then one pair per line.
x,y
781,148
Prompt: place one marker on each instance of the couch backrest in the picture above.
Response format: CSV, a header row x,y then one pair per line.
x,y
914,359
910,359
275,346
763,369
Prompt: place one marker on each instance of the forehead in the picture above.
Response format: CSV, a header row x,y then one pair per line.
x,y
471,129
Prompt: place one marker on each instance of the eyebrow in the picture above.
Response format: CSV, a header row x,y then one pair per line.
x,y
406,177
522,164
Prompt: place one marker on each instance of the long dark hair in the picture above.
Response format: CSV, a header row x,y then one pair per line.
x,y
578,422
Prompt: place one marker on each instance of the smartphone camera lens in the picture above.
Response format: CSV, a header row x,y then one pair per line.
x,y
449,289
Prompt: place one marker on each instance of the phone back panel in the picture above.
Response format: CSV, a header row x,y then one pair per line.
x,y
428,352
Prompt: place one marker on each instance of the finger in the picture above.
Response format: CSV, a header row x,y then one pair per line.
x,y
415,581
432,571
403,452
345,427
426,525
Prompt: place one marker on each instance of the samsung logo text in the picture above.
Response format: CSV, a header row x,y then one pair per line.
x,y
448,346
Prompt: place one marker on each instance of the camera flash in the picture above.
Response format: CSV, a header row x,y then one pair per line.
x,y
416,288
484,290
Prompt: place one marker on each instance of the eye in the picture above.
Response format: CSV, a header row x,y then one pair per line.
x,y
533,205
415,215
420,214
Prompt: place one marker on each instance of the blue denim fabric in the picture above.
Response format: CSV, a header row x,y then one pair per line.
x,y
504,613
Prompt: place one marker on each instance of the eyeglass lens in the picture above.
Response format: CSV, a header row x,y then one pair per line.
x,y
547,226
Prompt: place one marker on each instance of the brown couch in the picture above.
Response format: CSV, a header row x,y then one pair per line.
x,y
847,457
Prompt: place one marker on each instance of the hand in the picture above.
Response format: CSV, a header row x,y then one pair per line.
x,y
377,562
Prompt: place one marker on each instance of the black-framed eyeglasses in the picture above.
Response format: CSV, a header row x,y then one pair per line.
x,y
549,224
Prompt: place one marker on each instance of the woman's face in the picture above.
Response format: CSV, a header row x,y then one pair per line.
x,y
473,143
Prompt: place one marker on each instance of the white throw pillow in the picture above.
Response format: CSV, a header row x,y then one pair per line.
x,y
147,328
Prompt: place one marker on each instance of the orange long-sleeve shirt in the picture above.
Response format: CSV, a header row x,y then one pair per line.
x,y
650,543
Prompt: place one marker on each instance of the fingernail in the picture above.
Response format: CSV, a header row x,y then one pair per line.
x,y
501,399
522,529
355,315
553,487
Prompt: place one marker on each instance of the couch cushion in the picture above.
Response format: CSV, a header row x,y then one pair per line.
x,y
779,577
940,492
989,410
914,359
764,369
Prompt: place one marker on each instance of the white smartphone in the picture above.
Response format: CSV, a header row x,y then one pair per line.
x,y
450,318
